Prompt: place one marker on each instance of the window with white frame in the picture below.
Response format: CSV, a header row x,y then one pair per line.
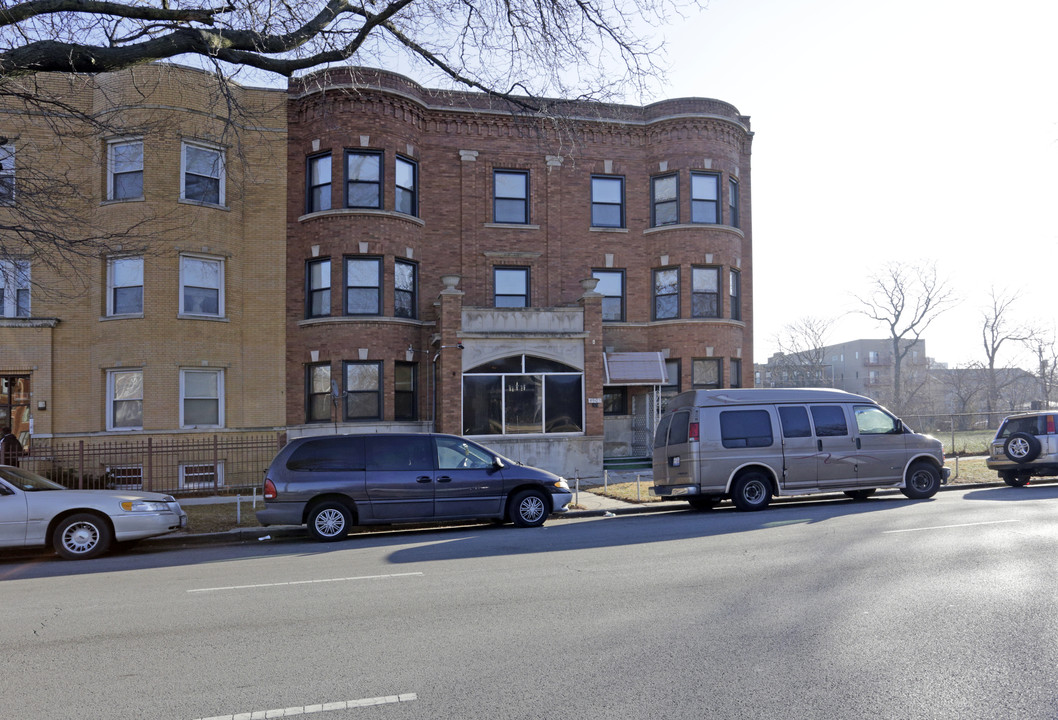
x,y
201,286
7,174
201,398
202,174
125,400
14,288
406,198
125,169
125,286
198,476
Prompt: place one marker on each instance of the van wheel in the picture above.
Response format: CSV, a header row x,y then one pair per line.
x,y
860,494
530,508
329,521
702,503
1014,480
1022,447
752,491
923,481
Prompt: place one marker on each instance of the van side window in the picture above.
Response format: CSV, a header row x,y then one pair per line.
x,y
456,453
871,420
794,421
678,428
662,434
829,420
745,428
328,454
400,453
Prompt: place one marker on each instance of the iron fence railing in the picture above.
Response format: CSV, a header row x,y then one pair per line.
x,y
197,466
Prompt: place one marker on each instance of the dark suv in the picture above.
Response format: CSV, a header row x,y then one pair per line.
x,y
333,482
1025,446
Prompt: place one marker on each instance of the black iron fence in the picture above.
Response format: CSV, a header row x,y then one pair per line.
x,y
178,466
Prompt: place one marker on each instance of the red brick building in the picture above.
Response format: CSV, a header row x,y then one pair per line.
x,y
540,284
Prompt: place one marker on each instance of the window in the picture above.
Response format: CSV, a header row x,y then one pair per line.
x,y
612,287
607,202
329,454
124,170
672,389
735,380
201,286
124,477
363,180
615,401
732,202
871,420
666,293
512,287
201,398
705,198
794,419
510,196
363,391
404,301
459,454
318,393
7,173
14,406
522,394
829,420
318,288
745,428
705,373
14,288
405,395
201,476
363,286
664,201
125,400
736,295
705,292
125,286
318,192
406,198
202,175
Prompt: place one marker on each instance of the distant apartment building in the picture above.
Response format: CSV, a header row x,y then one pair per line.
x,y
175,329
358,253
539,284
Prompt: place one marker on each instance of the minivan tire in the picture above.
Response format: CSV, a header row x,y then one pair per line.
x,y
923,481
329,521
1022,447
751,492
530,508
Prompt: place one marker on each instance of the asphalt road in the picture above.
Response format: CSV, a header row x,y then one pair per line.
x,y
946,608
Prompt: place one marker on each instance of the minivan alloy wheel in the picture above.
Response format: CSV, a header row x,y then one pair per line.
x,y
329,521
529,508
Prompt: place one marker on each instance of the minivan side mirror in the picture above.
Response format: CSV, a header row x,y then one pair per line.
x,y
497,464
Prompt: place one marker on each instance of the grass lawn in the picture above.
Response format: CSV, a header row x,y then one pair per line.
x,y
219,517
970,471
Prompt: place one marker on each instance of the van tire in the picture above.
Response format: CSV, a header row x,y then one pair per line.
x,y
922,481
530,508
329,521
1022,447
860,494
751,492
702,503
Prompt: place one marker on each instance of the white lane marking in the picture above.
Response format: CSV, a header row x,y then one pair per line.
x,y
945,527
321,707
304,582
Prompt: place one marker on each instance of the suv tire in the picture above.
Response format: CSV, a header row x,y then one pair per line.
x,y
1022,447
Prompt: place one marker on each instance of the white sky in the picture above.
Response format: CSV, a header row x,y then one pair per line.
x,y
909,130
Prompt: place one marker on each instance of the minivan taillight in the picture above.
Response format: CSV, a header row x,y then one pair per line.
x,y
692,432
1050,424
270,490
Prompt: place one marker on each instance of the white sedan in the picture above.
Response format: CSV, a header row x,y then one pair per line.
x,y
35,512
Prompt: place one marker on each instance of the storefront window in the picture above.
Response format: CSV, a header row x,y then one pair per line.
x,y
522,394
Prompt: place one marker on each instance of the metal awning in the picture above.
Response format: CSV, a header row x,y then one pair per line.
x,y
634,368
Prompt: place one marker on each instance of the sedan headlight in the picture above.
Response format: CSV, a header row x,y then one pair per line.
x,y
144,506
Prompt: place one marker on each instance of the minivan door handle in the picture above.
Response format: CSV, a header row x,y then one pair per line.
x,y
423,479
444,478
857,443
819,445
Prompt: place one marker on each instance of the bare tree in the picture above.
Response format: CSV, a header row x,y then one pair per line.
x,y
802,353
1044,347
906,301
997,330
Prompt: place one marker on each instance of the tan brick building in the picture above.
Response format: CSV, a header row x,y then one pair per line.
x,y
178,329
538,284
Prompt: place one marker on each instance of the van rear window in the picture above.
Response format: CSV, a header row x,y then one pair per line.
x,y
678,428
745,428
334,453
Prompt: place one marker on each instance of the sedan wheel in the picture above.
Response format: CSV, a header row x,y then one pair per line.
x,y
81,536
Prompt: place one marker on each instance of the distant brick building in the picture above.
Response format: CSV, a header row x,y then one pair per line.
x,y
539,284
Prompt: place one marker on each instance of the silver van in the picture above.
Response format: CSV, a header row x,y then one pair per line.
x,y
751,444
332,482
